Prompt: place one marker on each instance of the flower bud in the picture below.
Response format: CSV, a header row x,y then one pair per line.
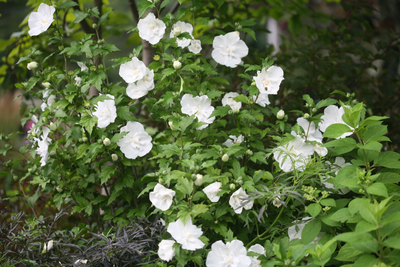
x,y
48,246
52,126
177,65
225,158
94,26
314,110
89,56
84,139
99,141
59,189
177,31
253,83
60,47
106,142
199,180
114,157
232,186
249,152
306,115
32,65
160,180
171,124
280,115
348,95
156,57
46,84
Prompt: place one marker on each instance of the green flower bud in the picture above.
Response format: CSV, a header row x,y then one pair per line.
x,y
46,84
94,26
225,158
171,125
84,139
106,142
249,152
156,57
99,141
89,56
114,157
177,65
160,180
32,65
232,186
199,180
52,126
280,115
177,31
314,110
306,115
59,189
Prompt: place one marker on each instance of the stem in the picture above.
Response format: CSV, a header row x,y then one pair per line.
x,y
23,192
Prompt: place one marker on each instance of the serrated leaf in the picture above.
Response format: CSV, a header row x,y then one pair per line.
x,y
68,5
118,136
184,185
124,113
250,32
106,173
60,114
143,6
199,209
88,122
31,83
79,16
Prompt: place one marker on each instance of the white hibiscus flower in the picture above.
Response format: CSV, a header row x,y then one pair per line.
x,y
239,200
200,106
137,142
106,112
257,248
151,29
229,49
233,140
165,250
262,99
212,190
141,87
133,70
43,146
228,100
82,66
332,115
195,46
41,20
186,234
161,197
184,27
232,254
269,80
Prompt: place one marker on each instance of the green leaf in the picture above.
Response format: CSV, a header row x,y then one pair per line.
x,y
242,98
118,136
366,261
372,119
310,231
374,132
393,242
325,102
184,185
330,202
32,199
68,4
336,130
148,188
97,78
185,122
60,114
372,145
295,24
82,150
348,253
124,113
31,83
88,122
341,215
314,209
103,18
79,16
106,173
378,189
199,209
221,111
388,159
250,32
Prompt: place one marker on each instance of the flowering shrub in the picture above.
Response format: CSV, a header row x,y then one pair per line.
x,y
235,182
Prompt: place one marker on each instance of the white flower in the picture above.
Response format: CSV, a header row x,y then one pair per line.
x,y
293,155
43,146
43,106
78,81
294,232
262,99
151,29
48,246
212,190
229,49
106,112
41,20
51,100
80,262
281,114
310,132
46,93
177,65
186,234
34,122
233,139
239,200
165,250
332,115
200,106
137,142
257,249
199,180
161,197
268,80
32,65
82,66
233,254
133,71
195,46
141,87
46,84
228,100
183,27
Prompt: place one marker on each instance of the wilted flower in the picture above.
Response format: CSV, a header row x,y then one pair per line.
x,y
32,65
229,49
133,71
48,246
200,106
262,99
82,66
293,155
228,100
136,143
257,248
186,234
161,197
151,29
239,200
195,46
106,112
183,27
41,20
233,140
232,254
332,115
268,80
43,147
80,262
165,250
212,190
